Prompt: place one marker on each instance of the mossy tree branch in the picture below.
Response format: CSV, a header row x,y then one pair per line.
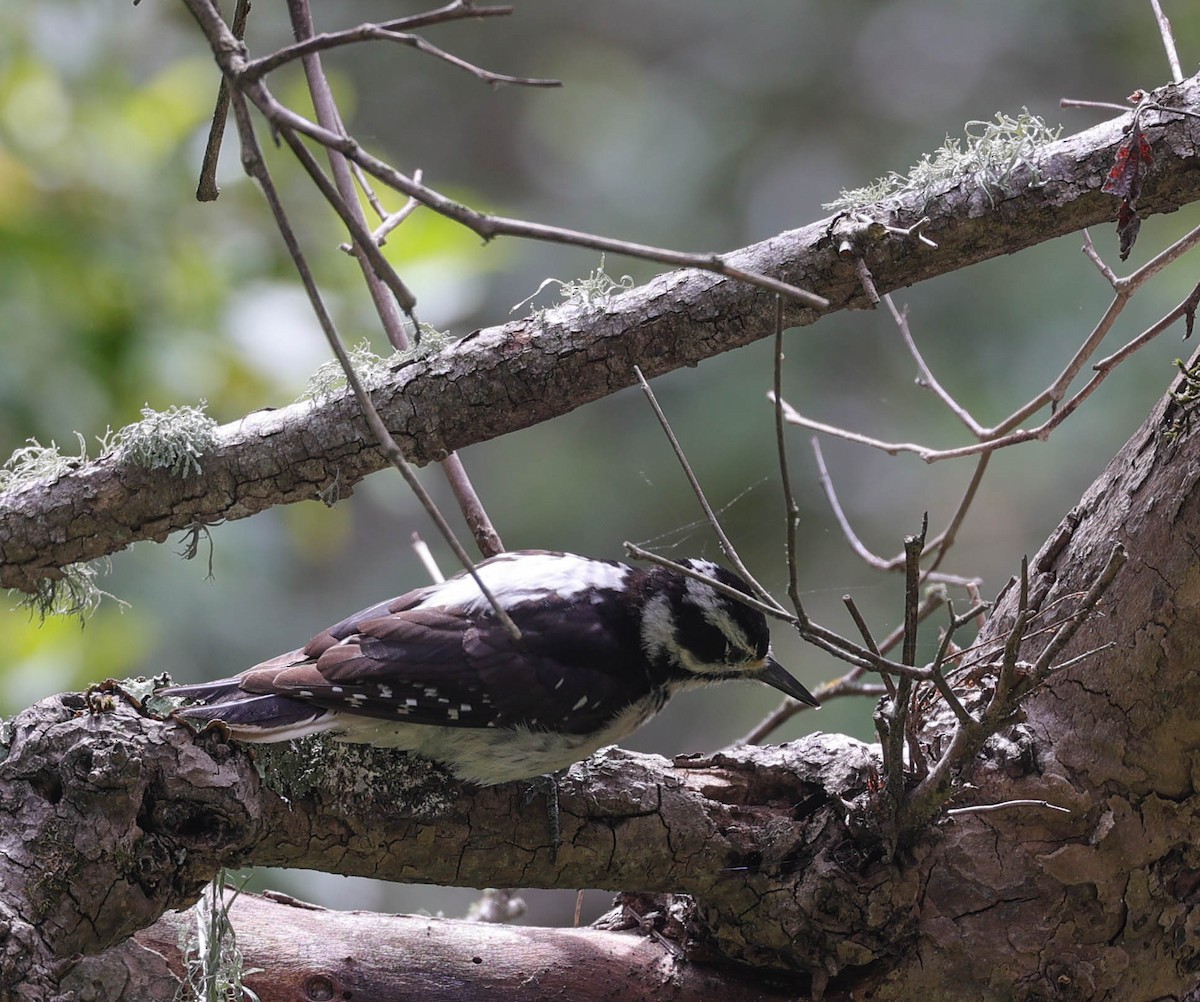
x,y
502,379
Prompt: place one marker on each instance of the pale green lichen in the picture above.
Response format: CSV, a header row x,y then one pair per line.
x,y
34,461
989,151
75,593
329,381
173,439
1186,395
215,967
584,294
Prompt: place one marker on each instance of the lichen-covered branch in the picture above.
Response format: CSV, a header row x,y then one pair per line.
x,y
113,817
501,379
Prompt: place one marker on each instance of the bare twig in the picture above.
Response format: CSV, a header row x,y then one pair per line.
x,y
469,503
939,679
1045,662
725,542
256,167
206,187
791,509
377,32
866,281
1070,102
421,549
1003,434
933,600
1015,681
865,632
233,61
1093,255
939,545
927,378
914,546
390,220
374,265
1168,40
826,482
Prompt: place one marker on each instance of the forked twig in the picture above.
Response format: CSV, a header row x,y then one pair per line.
x,y
1015,681
377,271
939,546
231,58
256,167
1008,433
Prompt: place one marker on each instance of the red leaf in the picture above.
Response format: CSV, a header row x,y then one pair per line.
x,y
1128,224
1125,178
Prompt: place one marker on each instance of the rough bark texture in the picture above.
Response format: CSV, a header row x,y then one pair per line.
x,y
113,818
506,378
117,817
1101,904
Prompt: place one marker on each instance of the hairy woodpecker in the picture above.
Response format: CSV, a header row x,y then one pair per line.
x,y
603,647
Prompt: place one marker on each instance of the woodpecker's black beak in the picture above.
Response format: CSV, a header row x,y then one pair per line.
x,y
778,677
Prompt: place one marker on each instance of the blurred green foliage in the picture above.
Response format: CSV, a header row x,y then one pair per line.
x,y
697,124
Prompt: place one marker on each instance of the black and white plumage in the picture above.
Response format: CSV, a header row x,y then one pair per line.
x,y
603,647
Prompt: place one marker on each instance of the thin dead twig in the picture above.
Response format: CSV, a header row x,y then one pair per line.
x,y
1003,434
939,545
257,169
1015,681
377,272
377,32
1168,40
725,542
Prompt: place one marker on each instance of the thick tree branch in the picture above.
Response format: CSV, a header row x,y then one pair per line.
x,y
502,379
774,845
302,951
163,809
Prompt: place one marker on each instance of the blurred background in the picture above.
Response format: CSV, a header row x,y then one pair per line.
x,y
694,124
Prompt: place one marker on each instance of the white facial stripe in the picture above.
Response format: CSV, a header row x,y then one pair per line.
x,y
523,577
658,627
716,611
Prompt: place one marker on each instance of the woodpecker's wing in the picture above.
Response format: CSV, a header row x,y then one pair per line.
x,y
445,667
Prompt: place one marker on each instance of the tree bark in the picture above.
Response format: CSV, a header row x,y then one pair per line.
x,y
305,952
115,817
505,378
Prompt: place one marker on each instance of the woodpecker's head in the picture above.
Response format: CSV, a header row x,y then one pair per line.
x,y
702,635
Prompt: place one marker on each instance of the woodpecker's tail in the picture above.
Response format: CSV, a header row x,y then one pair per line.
x,y
248,717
